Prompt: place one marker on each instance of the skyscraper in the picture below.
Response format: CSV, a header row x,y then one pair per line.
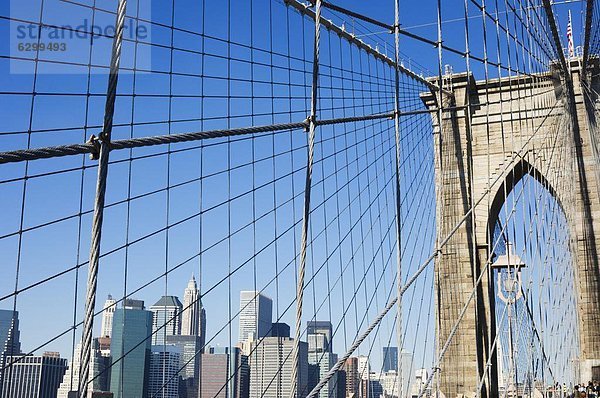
x,y
407,370
100,364
202,332
364,375
375,389
324,328
191,317
280,329
9,337
190,348
317,343
390,359
421,376
132,325
133,304
163,378
320,361
34,376
364,368
267,379
217,370
214,376
255,315
341,383
388,381
393,382
166,319
352,377
107,316
320,356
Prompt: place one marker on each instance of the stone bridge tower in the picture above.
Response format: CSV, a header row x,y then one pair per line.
x,y
493,134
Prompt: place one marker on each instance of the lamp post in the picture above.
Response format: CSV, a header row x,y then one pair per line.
x,y
510,291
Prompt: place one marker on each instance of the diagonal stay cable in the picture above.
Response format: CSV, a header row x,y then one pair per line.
x,y
421,268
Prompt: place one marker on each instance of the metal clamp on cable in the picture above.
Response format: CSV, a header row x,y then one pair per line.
x,y
309,119
95,154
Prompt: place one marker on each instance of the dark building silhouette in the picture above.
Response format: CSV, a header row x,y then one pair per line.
x,y
341,383
34,376
390,359
9,337
280,329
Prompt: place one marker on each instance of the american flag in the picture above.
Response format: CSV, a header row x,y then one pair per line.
x,y
570,38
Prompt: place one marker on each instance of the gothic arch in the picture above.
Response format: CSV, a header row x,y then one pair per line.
x,y
521,168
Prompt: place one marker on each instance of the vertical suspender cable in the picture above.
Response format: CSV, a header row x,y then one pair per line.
x,y
398,209
90,303
589,13
440,138
306,214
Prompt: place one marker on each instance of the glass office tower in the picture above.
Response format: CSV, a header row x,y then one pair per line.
x,y
129,376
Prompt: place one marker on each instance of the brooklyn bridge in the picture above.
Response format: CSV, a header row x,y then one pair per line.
x,y
277,198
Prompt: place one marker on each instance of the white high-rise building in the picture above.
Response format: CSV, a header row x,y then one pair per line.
x,y
421,376
107,316
270,375
70,381
363,367
255,315
166,319
406,373
193,321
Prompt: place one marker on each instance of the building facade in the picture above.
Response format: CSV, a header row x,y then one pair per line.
x,y
319,363
352,377
192,322
9,337
110,305
33,376
190,348
388,381
129,376
390,359
166,319
280,329
324,328
419,384
217,366
364,368
100,364
267,379
341,383
255,315
163,373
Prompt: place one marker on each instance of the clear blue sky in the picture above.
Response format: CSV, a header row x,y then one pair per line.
x,y
64,108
